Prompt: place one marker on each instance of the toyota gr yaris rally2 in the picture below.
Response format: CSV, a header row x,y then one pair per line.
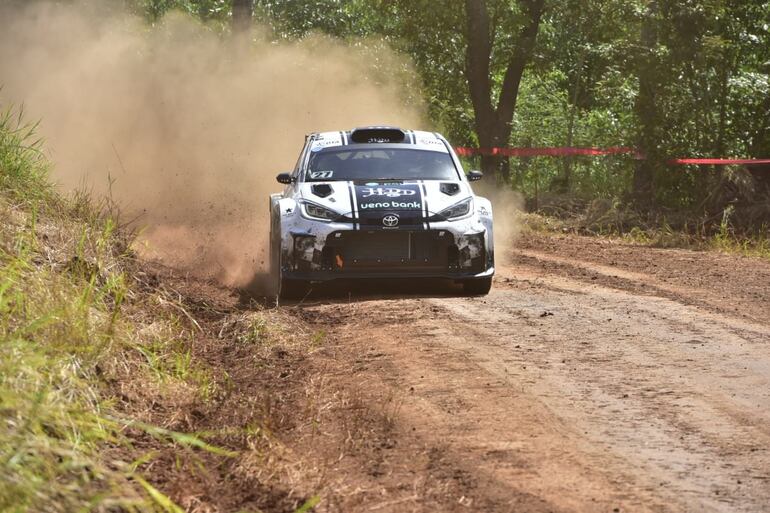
x,y
379,202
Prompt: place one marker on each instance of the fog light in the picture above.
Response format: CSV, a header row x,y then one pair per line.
x,y
471,249
303,243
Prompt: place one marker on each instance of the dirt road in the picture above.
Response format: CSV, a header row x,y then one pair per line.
x,y
594,377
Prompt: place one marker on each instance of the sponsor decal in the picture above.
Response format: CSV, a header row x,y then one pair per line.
x,y
383,197
321,175
390,192
320,144
382,205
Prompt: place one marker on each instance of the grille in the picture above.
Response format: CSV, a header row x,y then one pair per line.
x,y
397,249
403,220
386,246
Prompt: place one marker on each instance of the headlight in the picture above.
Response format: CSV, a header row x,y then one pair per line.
x,y
313,211
457,210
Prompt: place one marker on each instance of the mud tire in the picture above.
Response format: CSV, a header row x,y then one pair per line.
x,y
477,287
292,289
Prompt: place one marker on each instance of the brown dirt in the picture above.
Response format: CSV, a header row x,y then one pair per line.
x,y
595,377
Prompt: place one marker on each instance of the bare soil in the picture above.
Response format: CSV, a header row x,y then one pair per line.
x,y
596,376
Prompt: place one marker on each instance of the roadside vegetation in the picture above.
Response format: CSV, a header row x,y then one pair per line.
x,y
71,323
98,356
605,219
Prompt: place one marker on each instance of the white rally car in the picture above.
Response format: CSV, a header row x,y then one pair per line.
x,y
379,202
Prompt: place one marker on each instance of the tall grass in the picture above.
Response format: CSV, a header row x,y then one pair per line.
x,y
23,167
57,317
697,236
65,282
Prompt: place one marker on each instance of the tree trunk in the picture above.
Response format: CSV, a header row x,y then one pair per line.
x,y
565,184
243,11
760,149
493,123
646,111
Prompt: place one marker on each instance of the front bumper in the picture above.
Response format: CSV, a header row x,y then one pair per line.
x,y
326,276
343,253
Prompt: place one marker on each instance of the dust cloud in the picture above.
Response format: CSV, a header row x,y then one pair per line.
x,y
507,207
187,128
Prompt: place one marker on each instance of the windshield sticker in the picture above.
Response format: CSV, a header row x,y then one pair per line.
x,y
321,143
321,175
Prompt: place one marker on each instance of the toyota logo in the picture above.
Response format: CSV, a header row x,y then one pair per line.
x,y
390,220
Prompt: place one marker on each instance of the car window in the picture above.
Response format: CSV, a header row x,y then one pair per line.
x,y
354,164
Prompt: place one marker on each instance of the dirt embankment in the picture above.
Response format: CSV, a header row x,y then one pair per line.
x,y
595,377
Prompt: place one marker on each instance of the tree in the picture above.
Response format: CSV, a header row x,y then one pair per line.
x,y
243,10
646,107
675,79
493,119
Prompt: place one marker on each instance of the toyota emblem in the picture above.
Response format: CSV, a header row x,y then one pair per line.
x,y
390,220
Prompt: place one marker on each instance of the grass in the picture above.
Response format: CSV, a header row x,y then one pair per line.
x,y
726,239
72,321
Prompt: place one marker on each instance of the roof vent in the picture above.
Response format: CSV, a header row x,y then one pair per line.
x,y
321,189
450,188
377,134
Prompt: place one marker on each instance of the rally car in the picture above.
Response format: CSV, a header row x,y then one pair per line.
x,y
379,202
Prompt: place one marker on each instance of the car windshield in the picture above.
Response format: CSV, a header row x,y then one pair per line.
x,y
354,164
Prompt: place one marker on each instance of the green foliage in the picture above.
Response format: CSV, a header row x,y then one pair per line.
x,y
706,63
55,325
698,85
23,168
66,331
206,10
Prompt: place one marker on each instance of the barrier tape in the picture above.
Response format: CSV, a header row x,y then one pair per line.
x,y
536,152
566,151
722,162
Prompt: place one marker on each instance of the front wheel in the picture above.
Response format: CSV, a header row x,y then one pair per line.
x,y
292,289
285,288
478,286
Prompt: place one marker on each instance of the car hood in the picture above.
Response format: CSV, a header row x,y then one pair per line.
x,y
355,199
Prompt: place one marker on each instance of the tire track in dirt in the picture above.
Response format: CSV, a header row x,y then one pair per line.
x,y
736,285
554,394
650,382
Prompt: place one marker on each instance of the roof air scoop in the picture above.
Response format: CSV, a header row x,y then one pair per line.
x,y
377,134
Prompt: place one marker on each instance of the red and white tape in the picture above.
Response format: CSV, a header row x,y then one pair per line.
x,y
564,151
537,152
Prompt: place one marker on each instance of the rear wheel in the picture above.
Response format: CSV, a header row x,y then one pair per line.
x,y
478,287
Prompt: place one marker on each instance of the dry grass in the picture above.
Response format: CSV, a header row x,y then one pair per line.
x,y
602,218
77,329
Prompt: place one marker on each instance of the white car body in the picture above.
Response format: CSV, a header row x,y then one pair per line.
x,y
327,226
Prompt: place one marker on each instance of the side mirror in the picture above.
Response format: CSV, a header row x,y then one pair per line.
x,y
474,176
284,178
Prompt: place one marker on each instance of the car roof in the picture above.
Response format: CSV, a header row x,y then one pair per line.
x,y
384,135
